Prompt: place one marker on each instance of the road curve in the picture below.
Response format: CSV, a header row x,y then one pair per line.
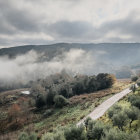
x,y
102,108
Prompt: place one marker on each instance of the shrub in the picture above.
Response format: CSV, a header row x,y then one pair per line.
x,y
40,101
50,97
60,101
87,121
37,89
113,110
132,114
134,78
95,130
105,80
120,120
48,113
32,136
47,136
138,82
51,136
135,100
75,133
114,134
23,136
133,88
59,136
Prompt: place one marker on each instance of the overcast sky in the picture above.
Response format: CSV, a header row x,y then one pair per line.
x,y
50,21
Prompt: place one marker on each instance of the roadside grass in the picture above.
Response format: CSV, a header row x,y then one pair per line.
x,y
125,105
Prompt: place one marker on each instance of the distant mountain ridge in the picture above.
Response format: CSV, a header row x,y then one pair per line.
x,y
117,53
39,48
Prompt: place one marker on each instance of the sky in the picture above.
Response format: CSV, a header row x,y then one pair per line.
x,y
24,22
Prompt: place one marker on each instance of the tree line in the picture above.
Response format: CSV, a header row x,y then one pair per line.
x,y
56,89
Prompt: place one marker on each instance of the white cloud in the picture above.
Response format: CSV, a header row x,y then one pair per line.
x,y
23,20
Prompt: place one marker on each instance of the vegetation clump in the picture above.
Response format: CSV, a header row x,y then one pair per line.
x,y
60,101
68,86
134,78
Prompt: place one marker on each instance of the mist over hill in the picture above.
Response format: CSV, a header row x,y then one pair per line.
x,y
22,64
119,53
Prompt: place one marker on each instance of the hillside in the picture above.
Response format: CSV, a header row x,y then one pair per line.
x,y
47,119
113,52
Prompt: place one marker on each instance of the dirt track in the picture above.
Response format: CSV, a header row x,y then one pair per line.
x,y
102,108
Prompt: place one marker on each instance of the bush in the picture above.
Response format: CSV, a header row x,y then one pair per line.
x,y
59,136
120,120
48,113
138,82
47,136
132,114
95,130
60,101
50,97
37,89
40,101
32,136
105,80
133,88
114,134
75,133
134,78
25,136
51,136
135,100
87,122
113,110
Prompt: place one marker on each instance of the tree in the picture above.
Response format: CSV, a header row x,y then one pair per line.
x,y
134,78
119,120
114,110
93,84
87,121
40,101
66,90
23,136
133,88
138,82
135,100
75,133
105,80
50,96
132,114
95,130
37,89
60,101
114,134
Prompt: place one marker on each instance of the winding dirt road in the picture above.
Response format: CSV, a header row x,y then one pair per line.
x,y
102,108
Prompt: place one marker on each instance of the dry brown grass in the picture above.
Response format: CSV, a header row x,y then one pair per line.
x,y
28,118
117,87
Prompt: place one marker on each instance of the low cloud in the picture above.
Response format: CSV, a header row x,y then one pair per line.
x,y
25,68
